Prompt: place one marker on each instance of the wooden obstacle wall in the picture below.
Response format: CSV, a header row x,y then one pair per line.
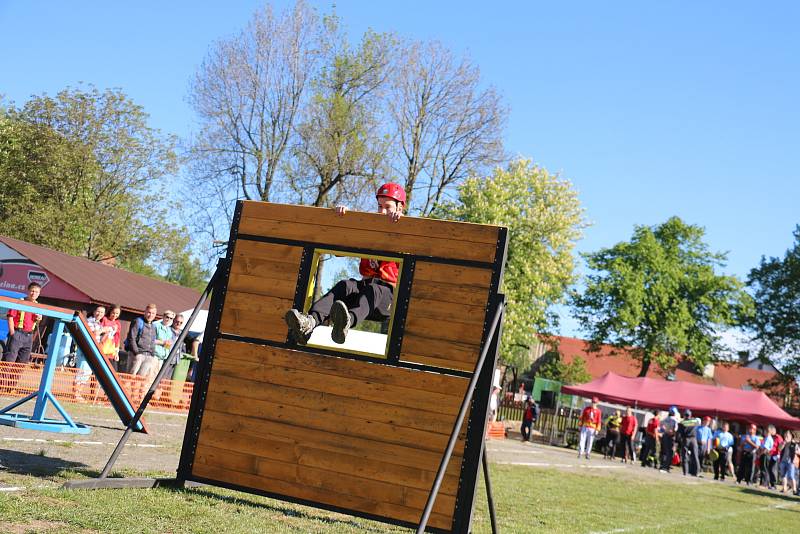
x,y
361,435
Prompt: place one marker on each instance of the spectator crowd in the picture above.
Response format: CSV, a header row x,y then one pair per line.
x,y
754,456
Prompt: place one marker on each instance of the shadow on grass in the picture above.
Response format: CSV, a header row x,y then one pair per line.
x,y
283,510
23,463
772,494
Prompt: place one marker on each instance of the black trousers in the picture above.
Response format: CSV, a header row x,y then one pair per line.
x,y
19,347
612,438
773,471
368,299
689,454
767,474
525,430
701,454
627,447
747,467
649,449
667,442
721,464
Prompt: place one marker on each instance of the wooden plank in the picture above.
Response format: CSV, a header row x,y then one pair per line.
x,y
365,371
316,419
339,482
459,231
222,473
387,453
269,251
286,272
438,348
417,399
447,311
258,304
254,325
469,295
257,285
367,237
338,463
346,406
446,330
452,274
437,362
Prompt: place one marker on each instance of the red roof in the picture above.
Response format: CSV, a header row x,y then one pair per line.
x,y
106,284
611,359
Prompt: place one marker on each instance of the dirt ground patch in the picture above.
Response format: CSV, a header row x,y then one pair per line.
x,y
52,456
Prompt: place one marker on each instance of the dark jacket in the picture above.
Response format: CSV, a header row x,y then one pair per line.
x,y
142,337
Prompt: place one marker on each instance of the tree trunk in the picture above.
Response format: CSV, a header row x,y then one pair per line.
x,y
318,279
645,367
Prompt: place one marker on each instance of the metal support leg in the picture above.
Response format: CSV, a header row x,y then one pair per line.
x,y
489,498
173,354
451,443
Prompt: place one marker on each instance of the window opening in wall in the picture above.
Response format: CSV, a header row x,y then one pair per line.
x,y
366,284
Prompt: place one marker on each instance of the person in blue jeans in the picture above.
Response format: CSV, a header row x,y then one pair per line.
x,y
787,457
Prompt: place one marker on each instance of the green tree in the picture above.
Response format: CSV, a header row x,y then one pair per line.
x,y
555,368
658,297
775,285
89,174
545,219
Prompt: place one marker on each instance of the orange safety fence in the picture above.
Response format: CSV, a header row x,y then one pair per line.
x,y
76,385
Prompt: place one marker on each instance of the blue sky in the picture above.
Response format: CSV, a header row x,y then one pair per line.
x,y
651,109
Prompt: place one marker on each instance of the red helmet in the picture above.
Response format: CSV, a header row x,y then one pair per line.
x,y
393,191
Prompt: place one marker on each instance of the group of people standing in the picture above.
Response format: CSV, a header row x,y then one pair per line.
x,y
619,429
755,456
147,344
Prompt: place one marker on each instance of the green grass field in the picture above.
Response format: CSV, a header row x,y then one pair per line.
x,y
528,500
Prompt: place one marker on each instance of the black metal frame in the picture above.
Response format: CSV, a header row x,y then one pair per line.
x,y
476,395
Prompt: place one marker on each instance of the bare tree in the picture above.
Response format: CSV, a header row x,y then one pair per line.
x,y
446,126
340,144
247,94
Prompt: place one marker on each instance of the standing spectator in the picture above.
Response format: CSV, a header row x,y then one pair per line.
x,y
163,344
774,457
764,450
627,430
20,337
749,444
649,452
613,423
668,430
111,344
528,419
723,443
787,461
687,437
590,423
704,435
20,329
83,371
494,404
141,342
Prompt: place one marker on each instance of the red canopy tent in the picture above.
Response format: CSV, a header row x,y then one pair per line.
x,y
722,402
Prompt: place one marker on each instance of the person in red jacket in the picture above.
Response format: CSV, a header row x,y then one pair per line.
x,y
627,431
590,423
351,301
